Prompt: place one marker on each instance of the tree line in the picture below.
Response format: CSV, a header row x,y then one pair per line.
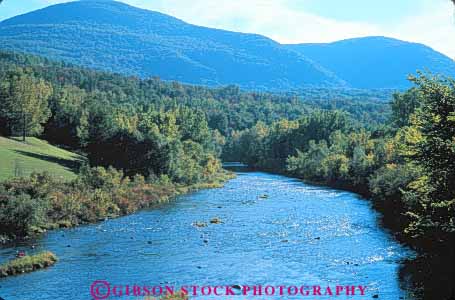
x,y
407,166
144,126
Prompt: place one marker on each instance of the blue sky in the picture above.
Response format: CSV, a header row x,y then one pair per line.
x,y
431,22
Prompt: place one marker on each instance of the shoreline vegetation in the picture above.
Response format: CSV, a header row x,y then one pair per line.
x,y
34,205
41,202
28,264
406,168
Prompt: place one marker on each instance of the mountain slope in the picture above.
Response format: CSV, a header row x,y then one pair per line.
x,y
117,37
113,36
376,62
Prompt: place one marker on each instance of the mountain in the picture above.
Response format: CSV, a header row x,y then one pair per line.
x,y
113,36
376,62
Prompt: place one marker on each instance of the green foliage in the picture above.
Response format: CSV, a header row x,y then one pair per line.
x,y
310,164
226,108
408,168
404,105
431,197
28,205
390,181
132,125
25,103
270,146
24,203
28,264
159,129
20,212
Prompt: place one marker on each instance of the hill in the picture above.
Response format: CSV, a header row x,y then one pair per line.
x,y
116,37
113,36
376,62
21,159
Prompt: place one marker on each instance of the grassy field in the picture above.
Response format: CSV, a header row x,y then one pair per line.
x,y
21,159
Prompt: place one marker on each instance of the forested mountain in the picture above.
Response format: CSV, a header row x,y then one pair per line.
x,y
377,62
117,37
113,36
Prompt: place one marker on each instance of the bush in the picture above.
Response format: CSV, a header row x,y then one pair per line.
x,y
388,182
20,213
40,202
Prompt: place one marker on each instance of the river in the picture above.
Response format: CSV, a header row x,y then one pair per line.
x,y
276,231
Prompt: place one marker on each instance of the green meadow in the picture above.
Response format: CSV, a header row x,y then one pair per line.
x,y
21,159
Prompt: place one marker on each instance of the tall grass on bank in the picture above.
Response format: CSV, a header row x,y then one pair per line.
x,y
28,264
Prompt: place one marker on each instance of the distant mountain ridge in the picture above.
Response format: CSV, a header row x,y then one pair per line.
x,y
366,62
114,36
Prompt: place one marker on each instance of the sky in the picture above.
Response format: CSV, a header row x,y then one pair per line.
x,y
431,22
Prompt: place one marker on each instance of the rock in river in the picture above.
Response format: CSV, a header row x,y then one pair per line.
x,y
216,221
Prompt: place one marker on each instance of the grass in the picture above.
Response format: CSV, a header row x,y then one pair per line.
x,y
28,264
19,159
218,181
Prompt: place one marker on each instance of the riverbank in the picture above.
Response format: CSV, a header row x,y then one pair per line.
x,y
296,234
430,273
28,264
32,206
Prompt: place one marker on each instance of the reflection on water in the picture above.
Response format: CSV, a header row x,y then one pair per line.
x,y
275,231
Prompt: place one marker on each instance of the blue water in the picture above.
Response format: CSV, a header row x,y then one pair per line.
x,y
299,235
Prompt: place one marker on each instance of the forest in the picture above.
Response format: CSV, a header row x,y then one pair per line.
x,y
406,166
148,139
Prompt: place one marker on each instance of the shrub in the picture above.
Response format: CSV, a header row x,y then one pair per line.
x,y
387,183
19,213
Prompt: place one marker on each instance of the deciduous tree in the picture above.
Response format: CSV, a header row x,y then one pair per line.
x,y
25,104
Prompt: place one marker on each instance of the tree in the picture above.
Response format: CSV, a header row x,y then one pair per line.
x,y
430,145
404,105
26,104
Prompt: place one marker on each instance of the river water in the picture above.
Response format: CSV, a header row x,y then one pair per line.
x,y
276,231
